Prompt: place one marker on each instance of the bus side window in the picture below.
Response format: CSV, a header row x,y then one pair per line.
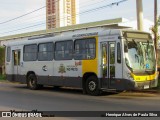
x,y
45,51
30,52
79,49
64,50
85,49
118,53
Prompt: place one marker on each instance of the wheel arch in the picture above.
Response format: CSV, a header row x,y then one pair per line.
x,y
34,85
28,73
85,77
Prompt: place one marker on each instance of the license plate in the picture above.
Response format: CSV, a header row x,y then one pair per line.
x,y
146,86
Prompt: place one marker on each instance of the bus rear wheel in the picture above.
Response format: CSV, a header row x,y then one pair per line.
x,y
92,86
32,82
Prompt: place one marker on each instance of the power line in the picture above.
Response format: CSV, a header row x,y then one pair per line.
x,y
45,7
109,5
87,11
95,9
21,22
93,3
40,9
98,8
23,15
23,28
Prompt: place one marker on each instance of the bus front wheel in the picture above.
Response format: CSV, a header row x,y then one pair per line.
x,y
32,82
92,86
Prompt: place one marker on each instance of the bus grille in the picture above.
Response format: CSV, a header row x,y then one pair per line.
x,y
145,85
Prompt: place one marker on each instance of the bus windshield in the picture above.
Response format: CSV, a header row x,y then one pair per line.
x,y
140,55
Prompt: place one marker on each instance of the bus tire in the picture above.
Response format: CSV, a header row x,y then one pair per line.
x,y
32,82
92,86
119,91
56,87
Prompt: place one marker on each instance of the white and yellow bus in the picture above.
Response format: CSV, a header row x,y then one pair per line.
x,y
94,59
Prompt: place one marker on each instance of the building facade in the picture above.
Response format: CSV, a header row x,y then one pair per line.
x,y
61,13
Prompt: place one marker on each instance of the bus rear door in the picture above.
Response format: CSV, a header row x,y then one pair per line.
x,y
16,64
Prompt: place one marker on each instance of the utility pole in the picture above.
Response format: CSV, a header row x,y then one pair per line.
x,y
155,24
139,15
155,12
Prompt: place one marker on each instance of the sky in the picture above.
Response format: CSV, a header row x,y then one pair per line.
x,y
10,9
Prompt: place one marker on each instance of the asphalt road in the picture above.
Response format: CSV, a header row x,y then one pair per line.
x,y
19,97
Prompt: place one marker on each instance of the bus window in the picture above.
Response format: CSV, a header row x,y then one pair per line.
x,y
104,59
16,58
45,52
64,50
30,52
8,54
112,59
85,49
118,53
112,53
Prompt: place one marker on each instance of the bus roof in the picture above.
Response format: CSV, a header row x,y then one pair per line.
x,y
112,23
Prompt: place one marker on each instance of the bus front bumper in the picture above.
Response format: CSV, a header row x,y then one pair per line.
x,y
146,84
125,84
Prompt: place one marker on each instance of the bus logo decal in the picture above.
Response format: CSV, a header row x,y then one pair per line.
x,y
79,63
62,69
44,68
72,68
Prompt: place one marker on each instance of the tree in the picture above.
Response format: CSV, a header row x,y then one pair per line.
x,y
2,59
154,30
158,21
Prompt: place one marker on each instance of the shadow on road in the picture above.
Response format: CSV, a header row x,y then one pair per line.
x,y
66,90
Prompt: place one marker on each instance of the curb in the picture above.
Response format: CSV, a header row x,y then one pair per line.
x,y
137,94
152,91
142,94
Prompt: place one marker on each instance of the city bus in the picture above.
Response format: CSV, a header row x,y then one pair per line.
x,y
92,59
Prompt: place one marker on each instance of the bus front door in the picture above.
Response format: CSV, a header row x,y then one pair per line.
x,y
16,64
108,64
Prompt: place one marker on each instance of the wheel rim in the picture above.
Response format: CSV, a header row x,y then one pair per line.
x,y
32,81
92,85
